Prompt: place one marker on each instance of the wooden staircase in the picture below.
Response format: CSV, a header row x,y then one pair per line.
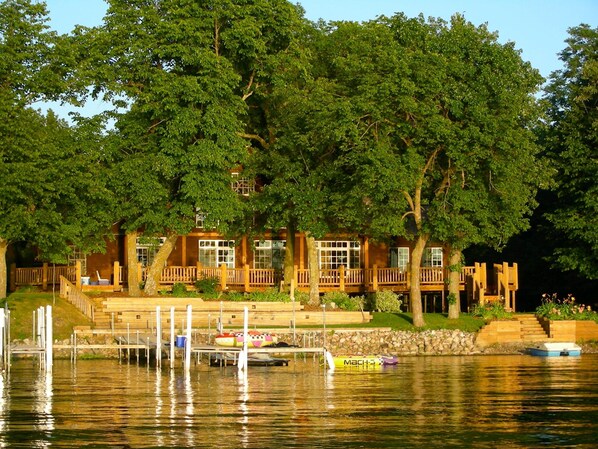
x,y
531,329
101,318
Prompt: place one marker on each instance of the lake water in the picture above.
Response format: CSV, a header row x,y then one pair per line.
x,y
474,401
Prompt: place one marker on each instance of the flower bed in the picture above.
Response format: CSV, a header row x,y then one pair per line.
x,y
556,309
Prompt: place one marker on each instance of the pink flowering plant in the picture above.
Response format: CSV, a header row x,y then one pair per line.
x,y
555,308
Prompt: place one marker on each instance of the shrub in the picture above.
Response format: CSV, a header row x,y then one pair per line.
x,y
343,301
302,297
207,284
269,295
554,308
386,301
236,296
179,289
494,310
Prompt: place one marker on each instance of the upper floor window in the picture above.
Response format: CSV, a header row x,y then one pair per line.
x,y
243,186
432,257
269,254
399,257
214,253
200,219
333,254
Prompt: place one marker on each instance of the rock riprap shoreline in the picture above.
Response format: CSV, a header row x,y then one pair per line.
x,y
345,342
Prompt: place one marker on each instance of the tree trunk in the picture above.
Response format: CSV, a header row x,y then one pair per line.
x,y
154,273
133,280
3,268
415,293
289,258
453,284
314,270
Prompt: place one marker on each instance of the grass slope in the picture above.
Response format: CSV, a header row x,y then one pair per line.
x,y
23,303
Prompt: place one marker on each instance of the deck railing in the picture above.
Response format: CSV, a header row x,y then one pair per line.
x,y
77,298
432,279
40,276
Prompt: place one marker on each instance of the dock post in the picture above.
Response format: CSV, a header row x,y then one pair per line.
x,y
138,349
220,326
292,292
158,338
242,361
128,342
49,339
40,337
172,337
188,339
324,324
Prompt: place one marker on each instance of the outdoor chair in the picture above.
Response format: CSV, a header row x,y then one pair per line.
x,y
102,281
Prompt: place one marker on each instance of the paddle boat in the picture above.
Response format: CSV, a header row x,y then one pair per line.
x,y
368,361
555,349
256,339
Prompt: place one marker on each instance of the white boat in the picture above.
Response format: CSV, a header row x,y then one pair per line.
x,y
555,349
256,339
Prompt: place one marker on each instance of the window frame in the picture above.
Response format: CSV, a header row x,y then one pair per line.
x,y
218,252
77,255
150,249
336,248
400,261
433,257
269,254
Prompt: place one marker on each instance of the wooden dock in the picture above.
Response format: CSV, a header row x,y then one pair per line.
x,y
223,351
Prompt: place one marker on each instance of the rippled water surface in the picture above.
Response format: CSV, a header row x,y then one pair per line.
x,y
479,401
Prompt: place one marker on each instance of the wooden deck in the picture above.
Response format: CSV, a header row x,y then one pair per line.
x,y
502,284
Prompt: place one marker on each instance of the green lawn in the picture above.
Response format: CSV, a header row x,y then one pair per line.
x,y
22,304
404,322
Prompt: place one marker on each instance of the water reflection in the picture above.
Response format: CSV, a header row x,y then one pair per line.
x,y
3,407
511,401
244,408
43,408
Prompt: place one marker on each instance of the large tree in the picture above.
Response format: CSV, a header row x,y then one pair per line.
x,y
492,168
443,148
305,121
571,142
183,71
43,163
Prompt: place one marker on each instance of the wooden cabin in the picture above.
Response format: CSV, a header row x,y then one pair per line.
x,y
353,265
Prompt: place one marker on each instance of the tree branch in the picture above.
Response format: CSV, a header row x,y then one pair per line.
x,y
256,137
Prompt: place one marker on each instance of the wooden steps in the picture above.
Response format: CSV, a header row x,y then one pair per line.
x,y
531,329
140,313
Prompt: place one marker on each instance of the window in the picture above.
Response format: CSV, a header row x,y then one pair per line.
x,y
399,257
78,256
269,254
200,219
334,254
432,257
147,247
214,253
243,186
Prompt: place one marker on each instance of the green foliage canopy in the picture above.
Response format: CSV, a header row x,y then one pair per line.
x,y
571,143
